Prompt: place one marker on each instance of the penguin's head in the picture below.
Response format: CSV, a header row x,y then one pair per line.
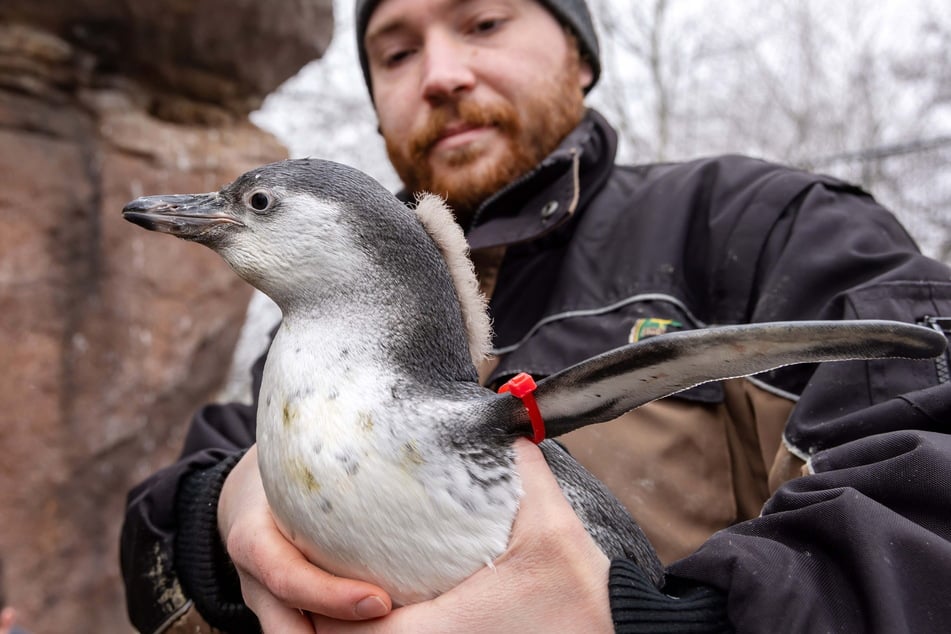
x,y
293,225
320,238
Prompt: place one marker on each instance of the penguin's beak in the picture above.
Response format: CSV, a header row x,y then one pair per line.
x,y
198,217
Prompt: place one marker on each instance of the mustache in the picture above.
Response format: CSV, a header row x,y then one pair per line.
x,y
466,113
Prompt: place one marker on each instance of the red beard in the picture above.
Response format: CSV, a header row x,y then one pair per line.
x,y
548,116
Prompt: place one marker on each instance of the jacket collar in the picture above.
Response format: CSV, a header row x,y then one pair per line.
x,y
546,197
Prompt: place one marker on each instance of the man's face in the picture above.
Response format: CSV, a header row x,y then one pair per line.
x,y
471,94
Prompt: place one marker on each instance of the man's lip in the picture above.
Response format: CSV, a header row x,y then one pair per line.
x,y
455,135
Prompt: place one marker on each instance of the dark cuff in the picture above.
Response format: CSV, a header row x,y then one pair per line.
x,y
638,606
206,573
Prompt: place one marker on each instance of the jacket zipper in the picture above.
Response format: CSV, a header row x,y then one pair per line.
x,y
942,325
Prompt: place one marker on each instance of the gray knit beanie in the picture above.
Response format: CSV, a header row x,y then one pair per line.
x,y
572,13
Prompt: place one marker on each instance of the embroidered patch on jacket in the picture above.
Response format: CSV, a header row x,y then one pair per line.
x,y
651,327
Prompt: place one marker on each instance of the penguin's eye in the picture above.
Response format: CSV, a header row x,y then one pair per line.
x,y
259,201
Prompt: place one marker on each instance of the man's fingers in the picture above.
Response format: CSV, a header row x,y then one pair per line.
x,y
299,583
273,562
272,614
420,618
538,482
545,517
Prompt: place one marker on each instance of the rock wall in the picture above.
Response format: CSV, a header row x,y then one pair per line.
x,y
109,335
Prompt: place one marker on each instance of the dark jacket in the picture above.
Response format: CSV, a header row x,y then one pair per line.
x,y
590,249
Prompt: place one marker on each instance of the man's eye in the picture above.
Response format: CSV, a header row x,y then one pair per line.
x,y
394,59
487,26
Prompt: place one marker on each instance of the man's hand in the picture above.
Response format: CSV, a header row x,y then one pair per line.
x,y
552,578
277,582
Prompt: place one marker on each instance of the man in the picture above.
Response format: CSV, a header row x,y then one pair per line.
x,y
482,100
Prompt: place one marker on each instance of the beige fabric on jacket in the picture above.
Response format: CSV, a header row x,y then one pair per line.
x,y
685,470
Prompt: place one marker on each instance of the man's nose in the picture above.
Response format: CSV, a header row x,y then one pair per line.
x,y
447,71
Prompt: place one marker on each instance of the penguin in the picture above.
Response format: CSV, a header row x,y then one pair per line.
x,y
381,456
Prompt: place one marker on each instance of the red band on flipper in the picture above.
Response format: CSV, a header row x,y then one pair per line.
x,y
521,386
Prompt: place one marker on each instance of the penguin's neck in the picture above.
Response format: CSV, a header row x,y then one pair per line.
x,y
331,346
321,382
415,332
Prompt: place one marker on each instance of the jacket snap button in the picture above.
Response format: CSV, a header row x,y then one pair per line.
x,y
550,208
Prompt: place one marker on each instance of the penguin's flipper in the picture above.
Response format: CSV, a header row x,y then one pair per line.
x,y
608,385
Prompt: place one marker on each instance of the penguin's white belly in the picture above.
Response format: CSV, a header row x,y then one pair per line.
x,y
363,498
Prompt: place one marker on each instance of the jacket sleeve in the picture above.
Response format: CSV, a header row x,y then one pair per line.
x,y
862,543
172,515
834,253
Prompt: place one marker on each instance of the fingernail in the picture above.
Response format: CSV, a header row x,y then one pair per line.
x,y
371,607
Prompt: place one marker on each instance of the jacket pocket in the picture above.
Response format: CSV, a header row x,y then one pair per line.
x,y
924,303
